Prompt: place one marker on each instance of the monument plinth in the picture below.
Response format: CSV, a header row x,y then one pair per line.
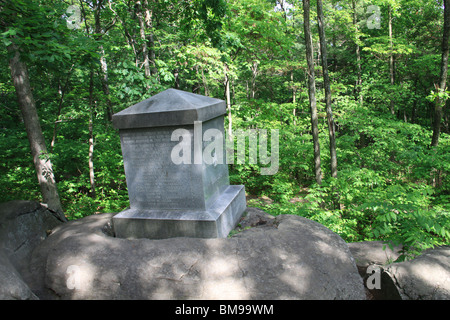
x,y
177,177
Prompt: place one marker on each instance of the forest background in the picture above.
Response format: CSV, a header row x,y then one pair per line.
x,y
86,60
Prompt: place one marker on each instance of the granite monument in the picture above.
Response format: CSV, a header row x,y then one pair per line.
x,y
175,167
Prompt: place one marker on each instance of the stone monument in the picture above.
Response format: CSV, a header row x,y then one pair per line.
x,y
177,176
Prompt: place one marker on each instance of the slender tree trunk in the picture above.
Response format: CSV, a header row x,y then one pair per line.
x,y
91,135
413,111
358,55
283,8
358,63
254,74
391,60
443,76
446,118
147,72
229,143
294,103
312,92
196,86
205,83
130,39
105,84
334,53
247,90
319,53
61,92
42,162
414,106
151,42
103,64
176,75
228,101
326,84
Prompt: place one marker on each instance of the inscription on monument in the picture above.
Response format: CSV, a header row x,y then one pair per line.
x,y
153,180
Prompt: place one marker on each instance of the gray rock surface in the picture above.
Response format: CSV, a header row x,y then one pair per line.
x,y
426,277
12,285
23,225
294,258
255,217
284,257
367,253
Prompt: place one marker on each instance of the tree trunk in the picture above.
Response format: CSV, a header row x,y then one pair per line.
x,y
91,135
147,72
358,55
254,74
151,42
443,76
176,75
294,103
105,84
61,92
129,38
228,101
312,92
42,162
326,84
103,64
446,115
229,142
413,111
391,60
205,83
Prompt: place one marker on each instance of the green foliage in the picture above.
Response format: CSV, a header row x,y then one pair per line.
x,y
71,159
383,187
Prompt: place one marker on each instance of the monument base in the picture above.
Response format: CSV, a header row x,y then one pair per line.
x,y
216,222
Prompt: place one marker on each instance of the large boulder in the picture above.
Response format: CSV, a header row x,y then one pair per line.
x,y
289,258
370,257
23,225
426,277
12,285
254,217
367,253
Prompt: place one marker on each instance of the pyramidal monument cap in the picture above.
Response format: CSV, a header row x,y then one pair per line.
x,y
168,108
